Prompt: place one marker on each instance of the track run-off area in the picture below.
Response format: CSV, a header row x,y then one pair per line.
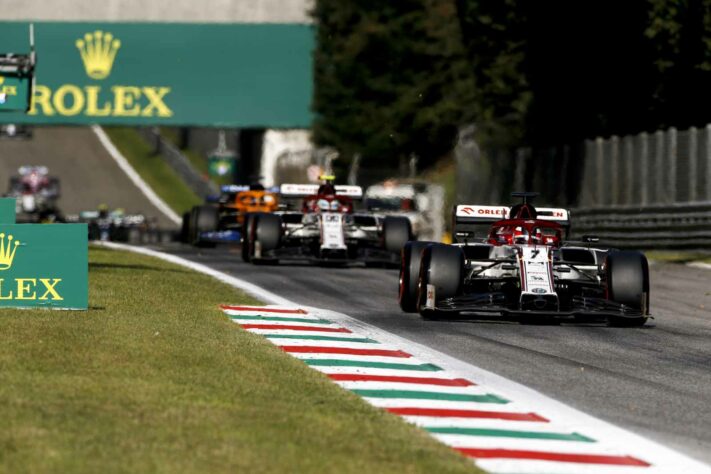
x,y
576,385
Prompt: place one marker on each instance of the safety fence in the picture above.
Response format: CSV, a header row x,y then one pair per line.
x,y
650,190
665,167
179,163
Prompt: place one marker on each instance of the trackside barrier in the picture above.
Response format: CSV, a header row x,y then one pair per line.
x,y
674,226
180,163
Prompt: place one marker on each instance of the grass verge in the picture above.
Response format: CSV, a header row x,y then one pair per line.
x,y
673,256
160,177
198,161
154,378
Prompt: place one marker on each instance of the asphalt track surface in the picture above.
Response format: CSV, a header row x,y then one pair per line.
x,y
88,175
654,380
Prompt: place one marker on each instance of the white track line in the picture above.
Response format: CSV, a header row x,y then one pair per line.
x,y
243,285
126,167
663,459
702,265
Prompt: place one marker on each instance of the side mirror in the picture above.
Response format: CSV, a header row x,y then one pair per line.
x,y
590,239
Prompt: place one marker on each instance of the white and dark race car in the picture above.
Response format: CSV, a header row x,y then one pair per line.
x,y
514,262
13,131
325,228
117,226
419,201
36,194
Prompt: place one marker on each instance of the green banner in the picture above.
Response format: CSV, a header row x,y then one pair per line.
x,y
7,210
229,75
13,93
44,266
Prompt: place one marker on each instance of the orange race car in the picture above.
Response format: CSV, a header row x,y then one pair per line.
x,y
221,220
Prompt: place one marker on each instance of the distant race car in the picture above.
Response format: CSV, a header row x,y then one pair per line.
x,y
115,226
36,194
520,266
222,219
15,131
420,202
325,229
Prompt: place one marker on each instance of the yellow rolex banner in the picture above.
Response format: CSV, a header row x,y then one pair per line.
x,y
44,266
230,75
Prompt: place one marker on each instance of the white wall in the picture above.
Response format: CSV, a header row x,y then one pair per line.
x,y
280,144
193,11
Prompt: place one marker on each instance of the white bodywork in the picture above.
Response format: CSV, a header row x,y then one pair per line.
x,y
332,235
537,276
426,217
333,231
558,271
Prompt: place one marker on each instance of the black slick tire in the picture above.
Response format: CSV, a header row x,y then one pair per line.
x,y
628,284
397,231
410,259
443,267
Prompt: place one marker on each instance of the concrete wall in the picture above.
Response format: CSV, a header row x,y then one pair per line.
x,y
193,11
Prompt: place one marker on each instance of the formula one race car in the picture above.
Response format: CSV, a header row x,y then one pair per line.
x,y
15,131
521,267
420,202
222,220
36,194
325,229
115,226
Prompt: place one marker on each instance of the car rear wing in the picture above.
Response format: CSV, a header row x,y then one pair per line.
x,y
238,188
303,190
25,170
472,221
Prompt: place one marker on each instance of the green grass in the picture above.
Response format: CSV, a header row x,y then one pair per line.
x,y
154,378
154,171
196,159
673,256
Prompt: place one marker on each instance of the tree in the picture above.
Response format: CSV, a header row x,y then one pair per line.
x,y
391,79
679,32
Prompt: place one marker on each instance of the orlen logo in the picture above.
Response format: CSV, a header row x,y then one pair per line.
x,y
483,211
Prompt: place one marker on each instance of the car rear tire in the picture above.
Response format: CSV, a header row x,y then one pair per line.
x,y
206,220
267,234
185,228
245,236
410,259
397,231
54,188
628,284
442,266
15,185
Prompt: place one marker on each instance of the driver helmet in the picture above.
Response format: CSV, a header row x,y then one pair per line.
x,y
103,210
327,188
537,236
520,235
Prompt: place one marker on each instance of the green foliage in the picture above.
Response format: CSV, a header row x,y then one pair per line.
x,y
679,35
391,78
494,35
154,171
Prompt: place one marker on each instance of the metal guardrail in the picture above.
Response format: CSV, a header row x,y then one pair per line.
x,y
180,163
672,226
